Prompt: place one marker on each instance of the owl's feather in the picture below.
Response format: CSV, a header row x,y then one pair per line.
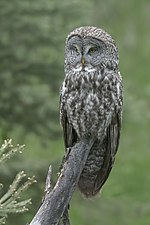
x,y
91,103
102,154
91,183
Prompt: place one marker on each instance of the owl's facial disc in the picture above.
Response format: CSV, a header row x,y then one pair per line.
x,y
74,50
85,54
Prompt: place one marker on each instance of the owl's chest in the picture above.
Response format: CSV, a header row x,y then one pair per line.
x,y
88,95
88,90
89,102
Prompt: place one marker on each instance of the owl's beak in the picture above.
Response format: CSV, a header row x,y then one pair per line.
x,y
83,61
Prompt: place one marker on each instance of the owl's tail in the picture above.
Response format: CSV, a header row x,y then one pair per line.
x,y
96,170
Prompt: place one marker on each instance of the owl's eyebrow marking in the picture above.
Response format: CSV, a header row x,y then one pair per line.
x,y
76,37
93,41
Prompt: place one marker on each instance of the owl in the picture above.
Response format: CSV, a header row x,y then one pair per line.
x,y
91,102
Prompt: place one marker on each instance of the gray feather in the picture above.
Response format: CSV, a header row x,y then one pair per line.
x,y
91,102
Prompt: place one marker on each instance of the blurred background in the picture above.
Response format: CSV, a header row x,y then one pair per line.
x,y
32,38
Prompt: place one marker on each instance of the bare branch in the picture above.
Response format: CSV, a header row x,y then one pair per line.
x,y
54,209
48,180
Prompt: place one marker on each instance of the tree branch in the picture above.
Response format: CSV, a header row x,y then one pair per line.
x,y
54,208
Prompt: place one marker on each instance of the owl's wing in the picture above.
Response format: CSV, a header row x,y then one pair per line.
x,y
111,146
113,135
69,134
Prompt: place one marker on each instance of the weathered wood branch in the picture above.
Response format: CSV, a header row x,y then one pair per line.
x,y
54,208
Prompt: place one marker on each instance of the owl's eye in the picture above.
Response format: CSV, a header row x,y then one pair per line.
x,y
74,48
93,49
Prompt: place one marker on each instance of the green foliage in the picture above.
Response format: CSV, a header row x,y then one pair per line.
x,y
31,64
31,70
9,201
7,150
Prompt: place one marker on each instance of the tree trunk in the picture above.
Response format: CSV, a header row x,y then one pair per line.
x,y
54,208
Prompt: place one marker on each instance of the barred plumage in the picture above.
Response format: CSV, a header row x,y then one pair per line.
x,y
91,101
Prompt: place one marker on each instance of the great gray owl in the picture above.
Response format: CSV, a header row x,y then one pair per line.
x,y
91,101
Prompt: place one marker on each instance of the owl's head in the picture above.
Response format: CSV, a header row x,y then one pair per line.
x,y
88,48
